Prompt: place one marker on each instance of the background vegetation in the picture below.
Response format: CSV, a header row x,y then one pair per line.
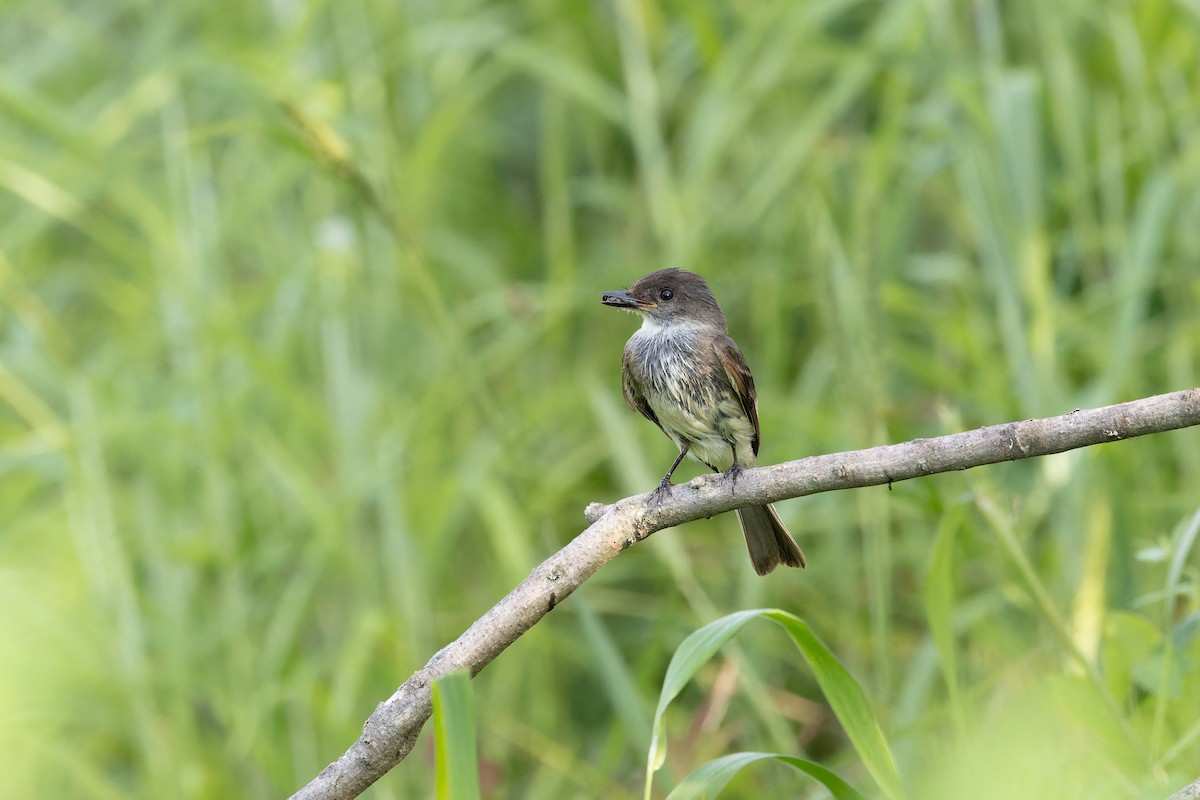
x,y
302,367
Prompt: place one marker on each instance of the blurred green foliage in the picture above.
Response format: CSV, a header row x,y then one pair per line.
x,y
453,722
302,367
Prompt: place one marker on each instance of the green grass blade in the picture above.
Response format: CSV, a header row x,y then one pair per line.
x,y
849,704
846,698
692,653
708,780
938,598
454,731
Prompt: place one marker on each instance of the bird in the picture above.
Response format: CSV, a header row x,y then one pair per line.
x,y
683,372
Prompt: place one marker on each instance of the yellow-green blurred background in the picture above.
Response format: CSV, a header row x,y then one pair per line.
x,y
302,367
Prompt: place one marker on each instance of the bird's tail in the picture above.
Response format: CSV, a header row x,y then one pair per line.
x,y
768,540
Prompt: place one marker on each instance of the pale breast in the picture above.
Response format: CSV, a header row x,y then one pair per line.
x,y
687,388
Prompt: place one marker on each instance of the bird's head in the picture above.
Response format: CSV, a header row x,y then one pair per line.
x,y
669,297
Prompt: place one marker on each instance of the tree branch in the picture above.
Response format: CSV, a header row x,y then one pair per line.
x,y
1189,792
391,731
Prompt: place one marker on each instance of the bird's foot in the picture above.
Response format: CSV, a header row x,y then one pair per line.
x,y
661,493
733,472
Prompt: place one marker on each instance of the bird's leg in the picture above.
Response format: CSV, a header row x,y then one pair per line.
x,y
664,486
734,471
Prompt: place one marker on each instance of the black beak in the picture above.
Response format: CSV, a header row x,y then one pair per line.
x,y
620,300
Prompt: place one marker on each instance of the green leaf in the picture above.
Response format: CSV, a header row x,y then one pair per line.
x,y
848,702
708,780
692,653
1129,640
454,730
845,697
938,597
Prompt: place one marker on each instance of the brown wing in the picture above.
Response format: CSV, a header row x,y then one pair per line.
x,y
631,387
734,362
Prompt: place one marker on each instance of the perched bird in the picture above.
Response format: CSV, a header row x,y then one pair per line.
x,y
683,373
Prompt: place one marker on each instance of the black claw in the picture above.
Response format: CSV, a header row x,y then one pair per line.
x,y
663,490
733,473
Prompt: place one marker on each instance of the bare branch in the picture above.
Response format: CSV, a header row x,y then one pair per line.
x,y
391,731
1189,792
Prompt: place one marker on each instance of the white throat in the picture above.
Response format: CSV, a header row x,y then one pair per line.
x,y
657,327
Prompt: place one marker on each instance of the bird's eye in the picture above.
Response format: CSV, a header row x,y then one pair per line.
x,y
666,294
